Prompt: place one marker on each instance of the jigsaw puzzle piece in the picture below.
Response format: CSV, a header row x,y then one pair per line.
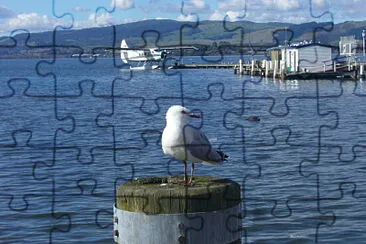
x,y
349,121
87,135
24,200
212,107
279,166
341,172
254,119
67,74
149,160
279,110
302,221
11,154
349,209
204,84
129,120
21,111
229,26
92,190
140,87
22,41
73,14
305,111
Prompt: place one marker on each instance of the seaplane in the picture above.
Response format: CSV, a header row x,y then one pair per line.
x,y
150,58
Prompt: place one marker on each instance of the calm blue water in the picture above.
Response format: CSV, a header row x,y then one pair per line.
x,y
71,132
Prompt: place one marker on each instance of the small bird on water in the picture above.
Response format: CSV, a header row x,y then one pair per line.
x,y
182,141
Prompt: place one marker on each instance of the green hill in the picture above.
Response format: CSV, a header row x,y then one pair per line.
x,y
211,36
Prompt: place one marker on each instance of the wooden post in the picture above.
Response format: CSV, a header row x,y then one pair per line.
x,y
267,68
281,70
240,66
361,70
252,68
275,70
163,210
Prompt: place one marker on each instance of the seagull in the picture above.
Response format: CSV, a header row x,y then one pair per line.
x,y
187,143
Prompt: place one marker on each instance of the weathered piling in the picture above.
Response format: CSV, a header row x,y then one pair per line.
x,y
163,210
240,67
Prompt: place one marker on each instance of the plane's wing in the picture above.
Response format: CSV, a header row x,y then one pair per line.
x,y
179,47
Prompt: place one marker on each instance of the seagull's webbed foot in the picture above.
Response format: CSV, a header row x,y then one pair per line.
x,y
190,182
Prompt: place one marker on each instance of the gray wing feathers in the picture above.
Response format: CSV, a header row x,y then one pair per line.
x,y
200,147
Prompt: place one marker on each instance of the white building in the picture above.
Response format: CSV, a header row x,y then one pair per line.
x,y
313,57
347,45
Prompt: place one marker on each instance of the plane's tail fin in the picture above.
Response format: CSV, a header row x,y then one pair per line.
x,y
124,44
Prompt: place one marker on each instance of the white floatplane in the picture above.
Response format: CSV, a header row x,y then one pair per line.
x,y
150,58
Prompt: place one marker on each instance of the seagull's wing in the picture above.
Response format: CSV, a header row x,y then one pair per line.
x,y
199,146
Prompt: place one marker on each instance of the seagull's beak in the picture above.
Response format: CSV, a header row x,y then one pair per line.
x,y
193,115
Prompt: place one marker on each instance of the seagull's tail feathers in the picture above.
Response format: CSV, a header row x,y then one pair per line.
x,y
223,156
220,158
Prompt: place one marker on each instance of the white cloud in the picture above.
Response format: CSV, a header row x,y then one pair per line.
x,y
231,5
188,17
34,22
123,4
287,5
31,22
195,6
104,19
320,3
216,15
235,15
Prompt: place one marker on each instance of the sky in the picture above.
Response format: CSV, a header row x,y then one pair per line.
x,y
44,15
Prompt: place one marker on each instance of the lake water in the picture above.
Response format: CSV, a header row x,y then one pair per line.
x,y
71,132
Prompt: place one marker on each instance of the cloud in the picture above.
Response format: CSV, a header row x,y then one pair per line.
x,y
295,11
123,4
319,3
195,6
216,15
188,17
104,19
32,22
6,12
284,5
231,5
235,15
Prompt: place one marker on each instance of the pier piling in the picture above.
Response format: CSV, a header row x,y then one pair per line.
x,y
163,210
240,67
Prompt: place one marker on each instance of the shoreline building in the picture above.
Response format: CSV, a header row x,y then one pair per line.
x,y
301,57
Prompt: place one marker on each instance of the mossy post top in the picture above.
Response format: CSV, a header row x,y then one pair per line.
x,y
167,195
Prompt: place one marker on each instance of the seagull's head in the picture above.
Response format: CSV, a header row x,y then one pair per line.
x,y
180,113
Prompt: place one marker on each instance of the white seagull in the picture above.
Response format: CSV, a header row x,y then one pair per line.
x,y
182,141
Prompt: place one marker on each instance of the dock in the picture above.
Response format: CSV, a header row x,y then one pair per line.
x,y
265,68
203,66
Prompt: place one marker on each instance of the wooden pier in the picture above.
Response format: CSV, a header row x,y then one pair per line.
x,y
203,66
355,70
